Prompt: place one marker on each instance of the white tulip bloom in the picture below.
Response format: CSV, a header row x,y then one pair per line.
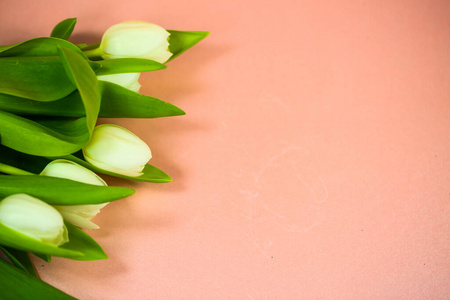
x,y
127,80
78,215
116,149
63,168
136,39
34,218
81,215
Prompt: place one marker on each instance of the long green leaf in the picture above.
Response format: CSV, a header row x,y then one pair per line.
x,y
57,137
14,239
43,46
150,173
31,137
44,257
117,102
81,241
60,191
30,163
20,259
85,79
80,246
40,78
36,164
16,284
128,65
64,29
180,41
11,170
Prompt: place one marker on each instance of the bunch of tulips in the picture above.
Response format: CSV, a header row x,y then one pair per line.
x,y
52,93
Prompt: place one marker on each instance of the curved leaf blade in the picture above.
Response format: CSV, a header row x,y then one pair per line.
x,y
30,163
64,29
128,65
37,78
151,173
20,259
42,46
117,102
82,242
33,138
17,284
120,102
60,191
78,69
17,240
180,41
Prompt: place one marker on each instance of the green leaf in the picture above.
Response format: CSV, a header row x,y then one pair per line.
x,y
43,46
180,41
120,102
81,241
64,29
85,79
20,259
16,284
85,47
8,169
17,240
60,191
36,164
44,257
40,78
80,246
117,102
53,137
128,65
151,173
30,163
31,137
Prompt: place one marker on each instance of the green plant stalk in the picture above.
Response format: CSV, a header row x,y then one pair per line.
x,y
7,169
91,53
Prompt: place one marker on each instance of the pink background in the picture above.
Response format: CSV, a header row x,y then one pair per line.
x,y
313,162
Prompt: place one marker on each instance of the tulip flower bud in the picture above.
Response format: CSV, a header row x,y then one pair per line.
x,y
63,168
81,215
78,215
116,149
34,218
127,80
136,39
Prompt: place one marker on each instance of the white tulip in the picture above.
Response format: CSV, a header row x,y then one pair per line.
x,y
81,215
78,215
116,149
136,39
63,168
33,218
127,80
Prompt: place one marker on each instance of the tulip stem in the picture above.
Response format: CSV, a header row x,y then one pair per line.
x,y
96,52
7,169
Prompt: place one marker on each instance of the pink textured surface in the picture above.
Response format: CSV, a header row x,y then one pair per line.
x,y
313,162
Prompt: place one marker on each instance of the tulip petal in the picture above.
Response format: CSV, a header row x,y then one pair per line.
x,y
116,149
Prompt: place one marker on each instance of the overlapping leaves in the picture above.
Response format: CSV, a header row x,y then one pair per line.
x,y
50,99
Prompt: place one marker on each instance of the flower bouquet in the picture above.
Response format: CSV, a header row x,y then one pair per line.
x,y
51,94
